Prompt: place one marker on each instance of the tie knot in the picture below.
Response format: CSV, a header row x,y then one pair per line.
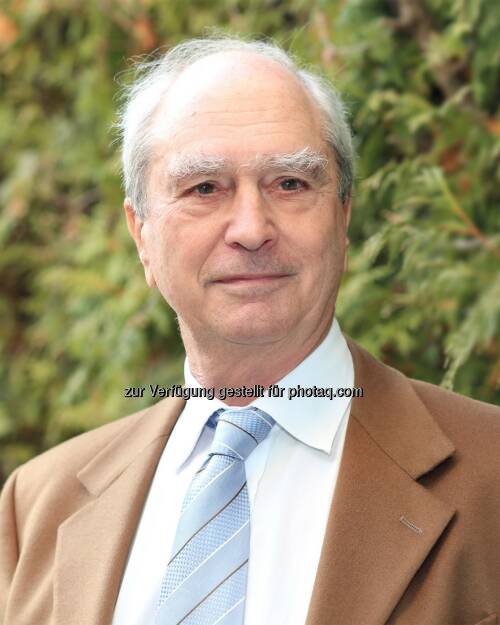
x,y
239,431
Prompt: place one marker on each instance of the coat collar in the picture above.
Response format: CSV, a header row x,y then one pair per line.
x,y
395,417
155,424
381,526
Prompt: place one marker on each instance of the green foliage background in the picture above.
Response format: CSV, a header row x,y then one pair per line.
x,y
422,79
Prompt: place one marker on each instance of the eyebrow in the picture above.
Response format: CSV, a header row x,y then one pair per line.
x,y
306,162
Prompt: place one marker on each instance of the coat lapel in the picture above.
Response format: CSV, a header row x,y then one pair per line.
x,y
93,544
382,523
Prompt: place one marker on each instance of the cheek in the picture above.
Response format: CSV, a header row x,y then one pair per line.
x,y
322,252
318,243
164,261
179,254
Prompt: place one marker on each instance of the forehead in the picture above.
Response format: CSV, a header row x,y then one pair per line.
x,y
236,105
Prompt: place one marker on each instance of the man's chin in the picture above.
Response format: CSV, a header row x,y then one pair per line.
x,y
254,333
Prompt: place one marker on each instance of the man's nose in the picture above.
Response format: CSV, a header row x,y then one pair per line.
x,y
250,222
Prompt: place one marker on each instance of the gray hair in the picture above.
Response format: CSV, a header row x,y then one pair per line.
x,y
142,98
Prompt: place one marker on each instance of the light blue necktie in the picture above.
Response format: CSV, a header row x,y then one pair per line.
x,y
206,577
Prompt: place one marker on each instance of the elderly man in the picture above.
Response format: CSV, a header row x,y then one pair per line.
x,y
317,510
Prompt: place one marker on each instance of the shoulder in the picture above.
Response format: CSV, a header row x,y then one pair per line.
x,y
458,415
411,418
81,448
49,488
473,476
57,467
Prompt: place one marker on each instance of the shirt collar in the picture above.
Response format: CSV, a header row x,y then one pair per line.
x,y
311,420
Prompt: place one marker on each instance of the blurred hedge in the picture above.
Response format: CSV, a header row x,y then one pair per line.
x,y
423,291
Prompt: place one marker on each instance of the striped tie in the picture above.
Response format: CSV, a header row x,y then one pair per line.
x,y
206,577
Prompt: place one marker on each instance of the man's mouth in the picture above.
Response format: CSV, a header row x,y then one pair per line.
x,y
252,278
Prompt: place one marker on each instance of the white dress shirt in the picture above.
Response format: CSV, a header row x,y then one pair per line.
x,y
291,478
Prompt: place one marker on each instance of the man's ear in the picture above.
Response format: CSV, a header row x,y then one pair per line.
x,y
346,208
135,227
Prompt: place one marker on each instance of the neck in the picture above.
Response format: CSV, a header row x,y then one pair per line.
x,y
232,365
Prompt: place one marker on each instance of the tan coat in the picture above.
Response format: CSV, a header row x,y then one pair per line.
x,y
413,537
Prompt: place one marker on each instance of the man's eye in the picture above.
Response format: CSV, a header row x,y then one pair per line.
x,y
204,188
292,184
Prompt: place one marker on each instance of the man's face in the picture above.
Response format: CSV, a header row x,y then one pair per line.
x,y
245,236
